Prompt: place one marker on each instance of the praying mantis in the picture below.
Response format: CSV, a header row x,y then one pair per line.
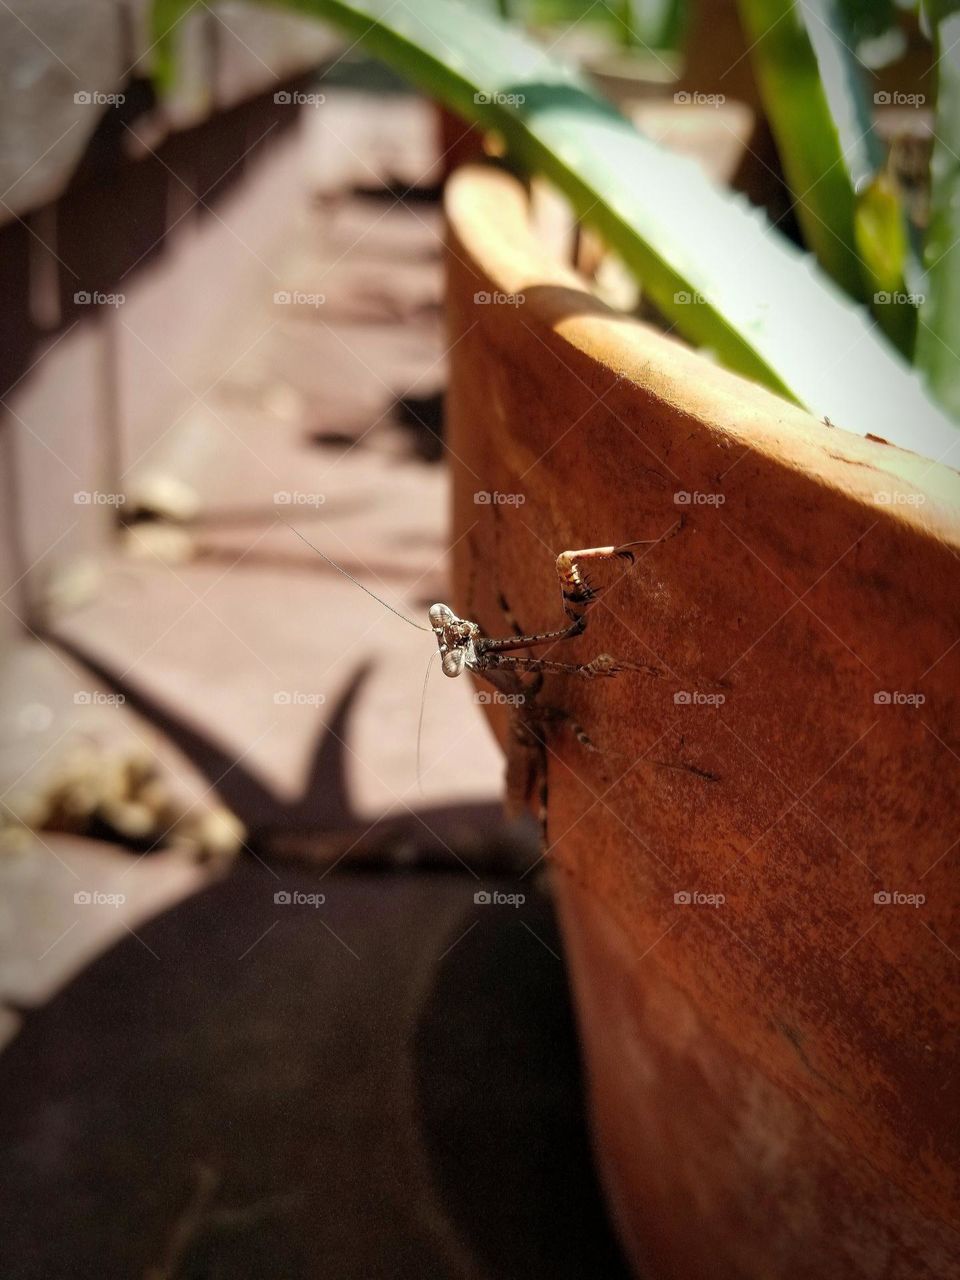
x,y
463,646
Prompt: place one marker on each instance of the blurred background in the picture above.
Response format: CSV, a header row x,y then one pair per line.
x,y
256,1020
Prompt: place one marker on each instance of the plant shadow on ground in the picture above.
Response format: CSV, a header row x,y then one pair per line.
x,y
322,814
238,1091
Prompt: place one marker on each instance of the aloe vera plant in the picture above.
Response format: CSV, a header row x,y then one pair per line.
x,y
938,340
708,259
815,98
651,24
807,77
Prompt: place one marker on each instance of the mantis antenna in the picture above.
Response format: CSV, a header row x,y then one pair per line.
x,y
354,580
423,706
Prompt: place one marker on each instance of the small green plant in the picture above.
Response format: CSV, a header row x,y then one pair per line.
x,y
938,339
649,24
816,101
816,93
720,274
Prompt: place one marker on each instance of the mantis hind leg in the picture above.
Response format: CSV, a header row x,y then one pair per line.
x,y
527,773
557,715
528,777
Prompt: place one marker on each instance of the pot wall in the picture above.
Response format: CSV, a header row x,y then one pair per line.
x,y
769,1044
712,1167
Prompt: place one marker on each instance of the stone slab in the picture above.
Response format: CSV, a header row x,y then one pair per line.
x,y
65,900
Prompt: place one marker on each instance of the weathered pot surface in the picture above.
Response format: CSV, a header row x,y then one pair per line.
x,y
769,1040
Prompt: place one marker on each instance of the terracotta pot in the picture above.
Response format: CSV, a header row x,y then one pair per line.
x,y
771,1076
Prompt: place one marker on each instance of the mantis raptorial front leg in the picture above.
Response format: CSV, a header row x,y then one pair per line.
x,y
462,645
576,590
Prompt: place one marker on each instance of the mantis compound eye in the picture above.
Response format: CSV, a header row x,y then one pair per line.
x,y
440,616
452,662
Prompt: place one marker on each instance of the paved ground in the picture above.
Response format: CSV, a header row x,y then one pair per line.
x,y
227,654
203,1079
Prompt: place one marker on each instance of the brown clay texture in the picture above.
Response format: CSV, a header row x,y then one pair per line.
x,y
757,870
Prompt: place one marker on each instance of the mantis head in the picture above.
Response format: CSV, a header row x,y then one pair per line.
x,y
455,639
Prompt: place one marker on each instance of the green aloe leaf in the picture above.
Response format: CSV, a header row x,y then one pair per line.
x,y
938,339
709,260
883,243
818,112
650,24
815,98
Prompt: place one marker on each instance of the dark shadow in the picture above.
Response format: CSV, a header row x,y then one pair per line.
x,y
114,219
333,439
421,417
392,190
225,517
442,835
527,1206
123,210
243,1093
17,325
